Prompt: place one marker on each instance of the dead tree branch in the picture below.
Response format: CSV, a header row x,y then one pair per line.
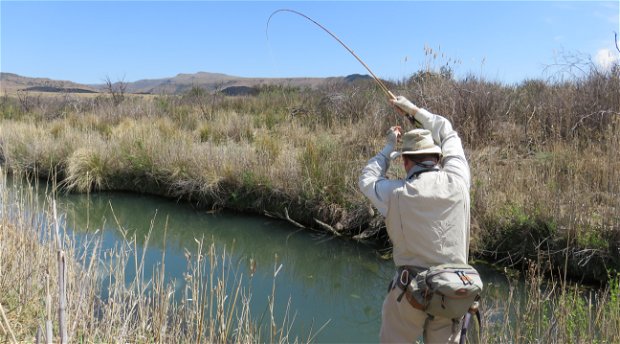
x,y
116,90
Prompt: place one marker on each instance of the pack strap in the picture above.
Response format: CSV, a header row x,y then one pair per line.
x,y
473,310
404,276
464,278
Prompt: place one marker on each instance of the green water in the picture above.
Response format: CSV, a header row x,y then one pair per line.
x,y
332,281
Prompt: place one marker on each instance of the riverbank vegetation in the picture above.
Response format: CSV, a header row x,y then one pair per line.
x,y
106,303
544,156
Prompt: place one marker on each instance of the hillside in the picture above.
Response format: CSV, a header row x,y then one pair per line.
x,y
212,82
174,85
11,83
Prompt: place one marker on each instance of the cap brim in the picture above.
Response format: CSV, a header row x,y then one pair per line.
x,y
432,150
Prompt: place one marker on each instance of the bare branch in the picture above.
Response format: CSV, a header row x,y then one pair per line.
x,y
116,90
24,100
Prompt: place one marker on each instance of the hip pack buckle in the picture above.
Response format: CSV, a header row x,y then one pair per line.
x,y
405,274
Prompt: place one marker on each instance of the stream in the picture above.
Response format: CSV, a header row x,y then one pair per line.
x,y
331,283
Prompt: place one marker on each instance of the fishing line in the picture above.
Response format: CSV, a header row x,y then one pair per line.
x,y
379,82
384,88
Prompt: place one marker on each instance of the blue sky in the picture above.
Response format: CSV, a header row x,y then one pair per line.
x,y
87,41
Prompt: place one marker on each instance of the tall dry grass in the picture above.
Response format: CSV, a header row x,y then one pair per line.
x,y
545,310
103,302
543,156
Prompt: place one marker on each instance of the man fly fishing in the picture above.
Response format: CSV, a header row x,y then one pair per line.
x,y
427,219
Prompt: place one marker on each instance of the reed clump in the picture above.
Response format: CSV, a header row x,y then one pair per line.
x,y
549,310
104,303
543,155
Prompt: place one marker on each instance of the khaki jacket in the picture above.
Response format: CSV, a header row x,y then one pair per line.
x,y
427,214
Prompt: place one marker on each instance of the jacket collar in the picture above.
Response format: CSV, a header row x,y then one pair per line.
x,y
422,167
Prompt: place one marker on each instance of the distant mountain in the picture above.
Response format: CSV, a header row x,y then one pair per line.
x,y
232,85
215,82
58,89
10,82
356,77
240,91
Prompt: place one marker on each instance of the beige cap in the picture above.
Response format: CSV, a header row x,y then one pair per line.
x,y
417,141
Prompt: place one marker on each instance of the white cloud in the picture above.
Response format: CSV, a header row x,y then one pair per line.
x,y
605,58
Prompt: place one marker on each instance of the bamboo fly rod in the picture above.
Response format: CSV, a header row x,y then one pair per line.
x,y
384,88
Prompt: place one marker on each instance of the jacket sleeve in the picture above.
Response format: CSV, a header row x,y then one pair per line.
x,y
454,161
374,184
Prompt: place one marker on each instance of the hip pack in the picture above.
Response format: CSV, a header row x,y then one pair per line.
x,y
446,290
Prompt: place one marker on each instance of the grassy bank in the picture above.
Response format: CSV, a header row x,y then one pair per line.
x,y
544,156
103,304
